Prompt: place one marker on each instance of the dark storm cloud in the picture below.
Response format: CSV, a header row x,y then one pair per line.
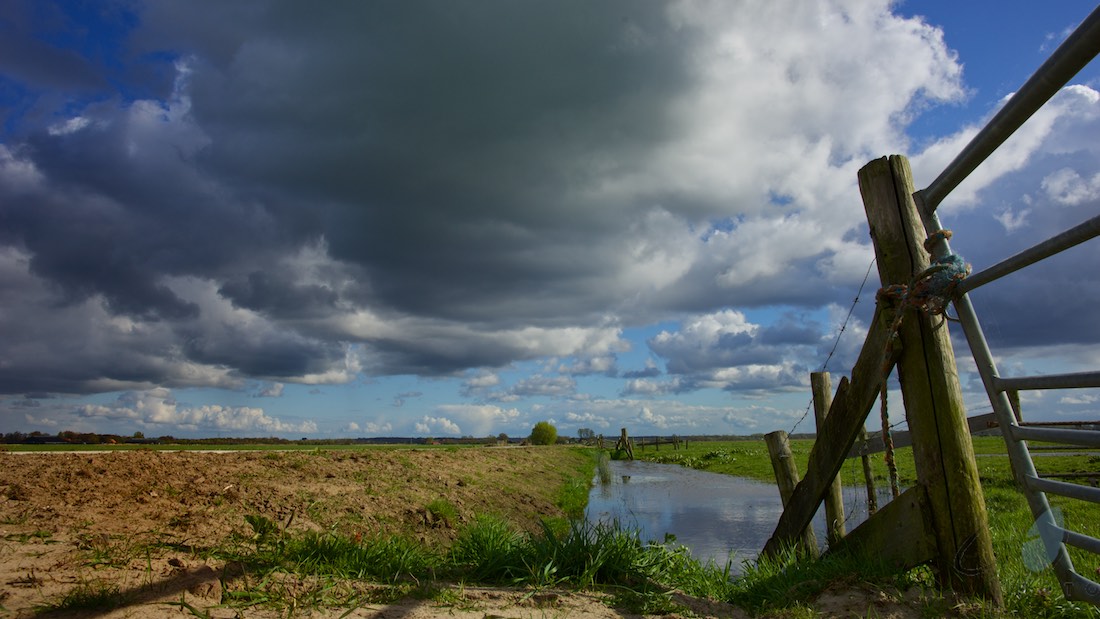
x,y
426,188
38,65
791,329
277,357
269,293
650,372
440,148
432,155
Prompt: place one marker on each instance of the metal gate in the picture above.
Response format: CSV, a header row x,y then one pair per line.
x,y
1072,56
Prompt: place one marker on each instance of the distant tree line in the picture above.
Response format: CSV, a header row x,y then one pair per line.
x,y
76,438
544,433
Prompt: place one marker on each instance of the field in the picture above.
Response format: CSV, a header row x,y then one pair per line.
x,y
416,533
140,528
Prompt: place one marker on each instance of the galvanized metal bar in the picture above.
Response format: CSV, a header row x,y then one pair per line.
x,y
1062,488
1078,380
1082,541
1066,61
1082,589
1065,436
1074,236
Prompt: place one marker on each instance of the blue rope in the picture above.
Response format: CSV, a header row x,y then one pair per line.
x,y
933,288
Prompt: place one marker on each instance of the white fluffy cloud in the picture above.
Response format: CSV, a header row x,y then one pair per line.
x,y
432,426
158,409
475,419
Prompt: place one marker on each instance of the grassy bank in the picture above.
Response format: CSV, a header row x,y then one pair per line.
x,y
1030,587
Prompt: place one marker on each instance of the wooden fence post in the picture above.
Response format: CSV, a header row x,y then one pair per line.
x,y
625,444
942,448
868,478
786,475
834,501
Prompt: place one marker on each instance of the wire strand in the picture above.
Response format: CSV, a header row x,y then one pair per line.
x,y
836,342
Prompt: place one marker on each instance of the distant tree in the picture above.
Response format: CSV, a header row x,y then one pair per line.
x,y
544,433
502,438
139,435
586,434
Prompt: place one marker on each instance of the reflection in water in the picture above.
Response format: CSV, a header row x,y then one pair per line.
x,y
718,517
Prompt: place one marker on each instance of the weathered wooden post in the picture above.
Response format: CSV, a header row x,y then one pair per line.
x,y
625,444
868,477
834,501
786,475
942,448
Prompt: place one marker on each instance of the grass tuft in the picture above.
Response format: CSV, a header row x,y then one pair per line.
x,y
91,597
489,551
443,510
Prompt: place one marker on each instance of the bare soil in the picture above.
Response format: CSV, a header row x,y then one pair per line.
x,y
138,522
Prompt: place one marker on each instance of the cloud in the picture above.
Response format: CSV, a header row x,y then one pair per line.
x,y
478,419
648,417
605,364
588,420
1066,187
649,371
725,350
1052,187
480,384
368,427
269,192
400,399
539,385
272,390
645,387
437,425
1084,399
157,408
311,194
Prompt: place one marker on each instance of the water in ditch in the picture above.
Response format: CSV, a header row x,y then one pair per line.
x,y
717,517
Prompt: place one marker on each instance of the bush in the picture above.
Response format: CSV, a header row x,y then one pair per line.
x,y
544,433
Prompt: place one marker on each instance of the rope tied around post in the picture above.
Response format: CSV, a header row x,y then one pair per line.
x,y
933,288
930,291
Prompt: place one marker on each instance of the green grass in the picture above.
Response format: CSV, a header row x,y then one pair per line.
x,y
443,510
790,581
747,458
643,576
486,552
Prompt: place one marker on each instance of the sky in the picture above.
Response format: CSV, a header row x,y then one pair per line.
x,y
459,218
